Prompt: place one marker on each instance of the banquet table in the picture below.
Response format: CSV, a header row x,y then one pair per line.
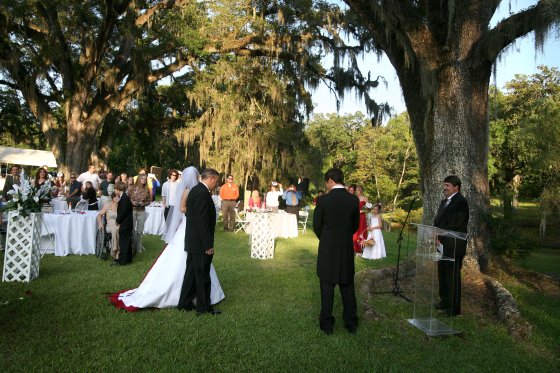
x,y
155,221
74,233
284,225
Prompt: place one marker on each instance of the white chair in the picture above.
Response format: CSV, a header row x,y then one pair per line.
x,y
81,206
241,221
302,222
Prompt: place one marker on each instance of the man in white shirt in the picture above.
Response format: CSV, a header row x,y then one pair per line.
x,y
91,176
168,190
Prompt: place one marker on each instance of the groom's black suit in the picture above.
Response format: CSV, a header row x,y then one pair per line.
x,y
336,218
199,237
453,217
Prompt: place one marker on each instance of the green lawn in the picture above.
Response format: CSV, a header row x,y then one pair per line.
x,y
62,322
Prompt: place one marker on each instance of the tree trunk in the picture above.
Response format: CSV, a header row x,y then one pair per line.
x,y
451,136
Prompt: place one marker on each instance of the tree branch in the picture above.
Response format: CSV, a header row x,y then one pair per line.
x,y
538,17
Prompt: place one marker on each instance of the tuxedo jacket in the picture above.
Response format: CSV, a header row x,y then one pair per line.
x,y
124,213
454,217
336,218
201,220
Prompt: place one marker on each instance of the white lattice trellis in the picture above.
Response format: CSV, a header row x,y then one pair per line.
x,y
262,236
21,259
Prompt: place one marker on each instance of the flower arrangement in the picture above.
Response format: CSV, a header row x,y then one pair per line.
x,y
27,199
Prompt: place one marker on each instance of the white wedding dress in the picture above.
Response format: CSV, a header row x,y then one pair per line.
x,y
161,287
377,250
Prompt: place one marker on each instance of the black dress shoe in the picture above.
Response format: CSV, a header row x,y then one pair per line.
x,y
209,312
352,330
327,331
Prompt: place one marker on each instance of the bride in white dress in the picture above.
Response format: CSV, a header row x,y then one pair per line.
x,y
161,286
375,224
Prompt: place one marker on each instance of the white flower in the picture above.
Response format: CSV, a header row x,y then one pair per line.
x,y
35,198
15,198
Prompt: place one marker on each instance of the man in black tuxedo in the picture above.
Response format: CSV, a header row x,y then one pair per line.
x,y
125,222
199,244
336,218
452,215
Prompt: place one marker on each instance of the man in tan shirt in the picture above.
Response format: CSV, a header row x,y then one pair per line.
x,y
229,193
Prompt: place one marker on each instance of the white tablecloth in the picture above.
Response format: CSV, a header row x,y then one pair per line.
x,y
155,222
74,233
285,225
59,205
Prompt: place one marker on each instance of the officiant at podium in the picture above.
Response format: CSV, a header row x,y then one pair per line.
x,y
452,215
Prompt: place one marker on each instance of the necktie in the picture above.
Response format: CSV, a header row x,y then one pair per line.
x,y
294,199
447,202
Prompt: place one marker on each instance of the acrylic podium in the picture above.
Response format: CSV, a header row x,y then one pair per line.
x,y
426,294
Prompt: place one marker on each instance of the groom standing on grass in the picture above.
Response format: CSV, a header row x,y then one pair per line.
x,y
199,245
336,218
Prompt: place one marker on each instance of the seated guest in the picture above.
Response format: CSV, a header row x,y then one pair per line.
x,y
292,196
255,201
73,194
60,185
90,196
41,177
109,210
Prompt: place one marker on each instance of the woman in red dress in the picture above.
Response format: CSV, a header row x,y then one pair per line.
x,y
363,224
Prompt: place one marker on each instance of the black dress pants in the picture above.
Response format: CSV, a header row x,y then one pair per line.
x,y
196,283
449,275
125,246
326,319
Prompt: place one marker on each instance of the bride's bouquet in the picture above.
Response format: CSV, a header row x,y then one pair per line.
x,y
26,198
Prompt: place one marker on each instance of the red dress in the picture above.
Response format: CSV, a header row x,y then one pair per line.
x,y
362,227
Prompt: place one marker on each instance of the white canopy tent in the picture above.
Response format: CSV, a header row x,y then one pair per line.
x,y
27,157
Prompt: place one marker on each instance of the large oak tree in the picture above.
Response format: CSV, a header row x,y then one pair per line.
x,y
443,53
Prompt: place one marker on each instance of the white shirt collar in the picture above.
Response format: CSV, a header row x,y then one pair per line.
x,y
451,196
338,186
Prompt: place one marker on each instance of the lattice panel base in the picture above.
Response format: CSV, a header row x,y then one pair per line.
x,y
262,236
21,259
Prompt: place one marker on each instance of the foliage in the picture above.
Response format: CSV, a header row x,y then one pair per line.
x,y
373,157
26,198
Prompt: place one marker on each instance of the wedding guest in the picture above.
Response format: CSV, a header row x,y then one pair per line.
x,y
73,194
319,194
359,191
255,201
109,210
351,188
89,194
292,197
273,195
129,182
140,198
41,177
374,247
60,184
124,223
124,177
168,189
229,193
107,180
90,176
149,181
11,180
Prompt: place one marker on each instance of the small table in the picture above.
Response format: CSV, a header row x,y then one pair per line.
x,y
155,220
284,225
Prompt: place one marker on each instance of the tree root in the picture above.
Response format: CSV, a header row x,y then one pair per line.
x,y
508,312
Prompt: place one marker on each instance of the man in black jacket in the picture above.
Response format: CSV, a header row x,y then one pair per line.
x,y
124,222
452,215
199,245
336,218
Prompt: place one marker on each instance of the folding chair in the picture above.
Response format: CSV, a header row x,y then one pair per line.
x,y
241,221
302,222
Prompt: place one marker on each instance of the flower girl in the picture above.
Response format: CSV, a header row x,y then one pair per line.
x,y
374,247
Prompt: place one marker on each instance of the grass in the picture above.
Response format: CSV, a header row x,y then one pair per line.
x,y
62,322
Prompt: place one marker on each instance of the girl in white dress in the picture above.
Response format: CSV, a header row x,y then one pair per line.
x,y
161,287
375,224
